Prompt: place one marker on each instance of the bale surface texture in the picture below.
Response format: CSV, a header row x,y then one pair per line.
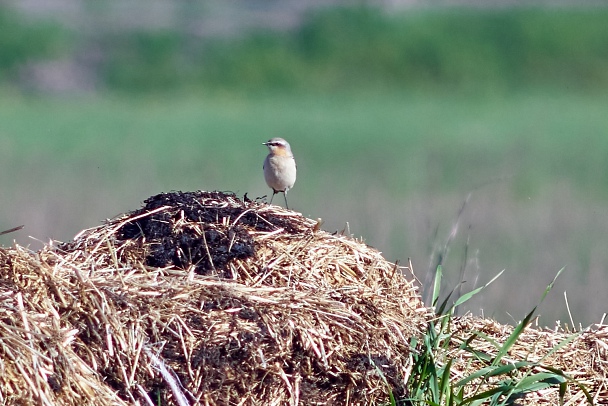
x,y
206,297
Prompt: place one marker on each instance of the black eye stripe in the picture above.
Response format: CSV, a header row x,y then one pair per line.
x,y
276,144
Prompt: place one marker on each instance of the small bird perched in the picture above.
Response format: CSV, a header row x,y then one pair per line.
x,y
279,167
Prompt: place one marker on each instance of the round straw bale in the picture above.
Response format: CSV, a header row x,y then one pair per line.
x,y
201,298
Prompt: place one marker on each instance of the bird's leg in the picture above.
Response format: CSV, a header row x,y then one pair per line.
x,y
274,192
285,196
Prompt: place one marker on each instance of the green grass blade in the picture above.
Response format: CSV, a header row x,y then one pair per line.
x,y
572,381
513,337
491,371
444,386
462,299
541,377
437,285
485,395
518,330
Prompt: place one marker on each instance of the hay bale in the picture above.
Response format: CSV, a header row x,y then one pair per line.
x,y
41,361
239,303
580,355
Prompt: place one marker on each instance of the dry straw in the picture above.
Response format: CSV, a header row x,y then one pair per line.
x,y
201,298
582,356
208,299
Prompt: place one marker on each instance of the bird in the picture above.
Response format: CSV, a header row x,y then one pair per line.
x,y
279,167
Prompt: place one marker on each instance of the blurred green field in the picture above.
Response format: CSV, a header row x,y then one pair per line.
x,y
339,48
395,166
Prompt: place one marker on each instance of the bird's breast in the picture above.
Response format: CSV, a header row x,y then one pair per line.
x,y
280,172
282,152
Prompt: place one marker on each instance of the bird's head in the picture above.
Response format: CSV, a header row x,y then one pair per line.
x,y
278,146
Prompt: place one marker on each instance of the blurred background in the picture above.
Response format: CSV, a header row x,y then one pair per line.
x,y
450,133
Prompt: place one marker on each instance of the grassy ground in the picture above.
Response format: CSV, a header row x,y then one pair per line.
x,y
397,167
